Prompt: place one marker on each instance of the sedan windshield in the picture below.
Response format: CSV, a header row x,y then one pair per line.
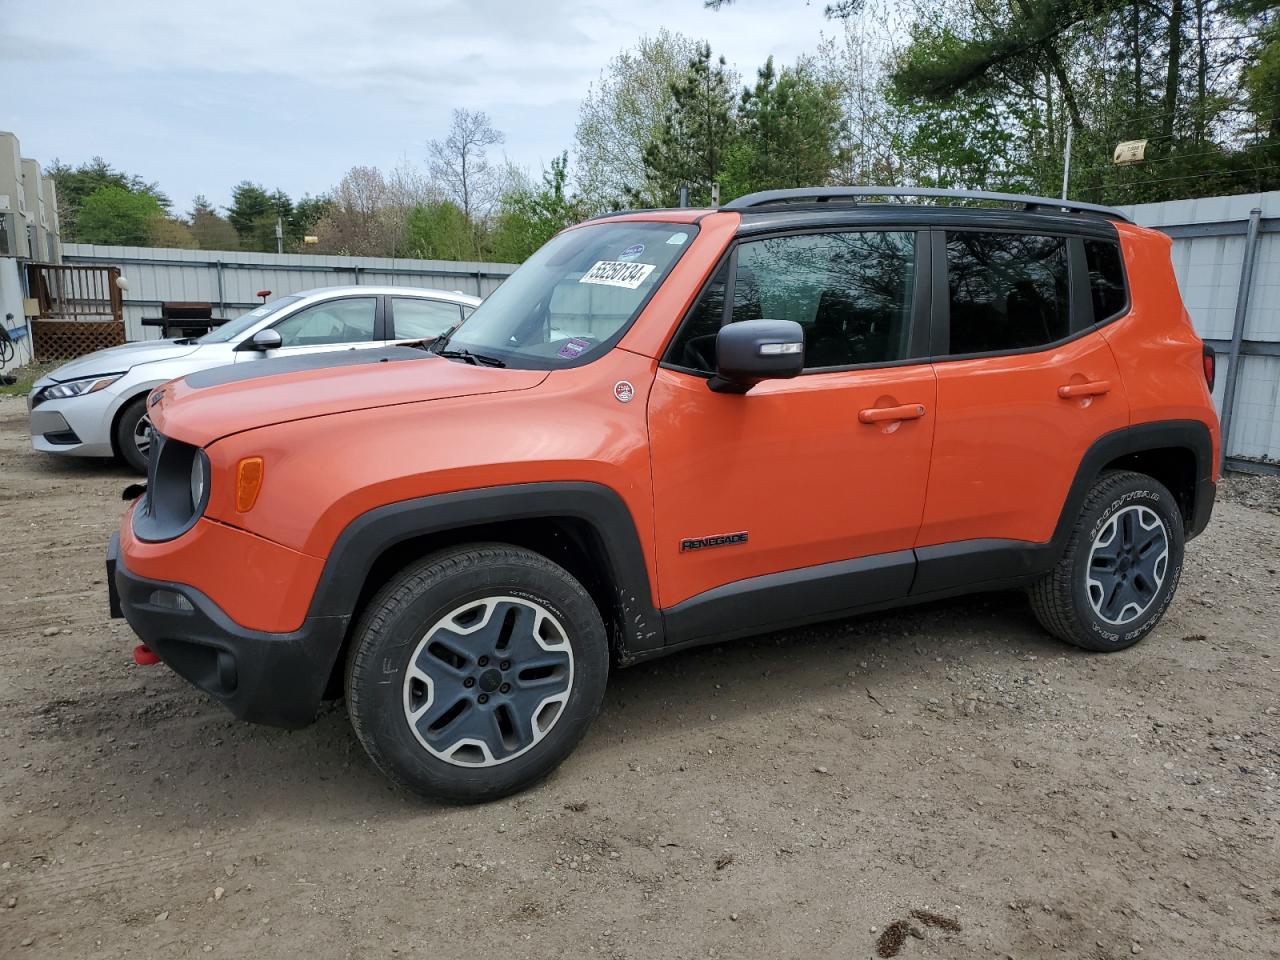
x,y
233,328
574,298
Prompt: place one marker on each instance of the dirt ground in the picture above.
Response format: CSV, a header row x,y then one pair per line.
x,y
789,796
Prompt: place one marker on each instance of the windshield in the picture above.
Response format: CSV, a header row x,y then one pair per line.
x,y
233,328
575,297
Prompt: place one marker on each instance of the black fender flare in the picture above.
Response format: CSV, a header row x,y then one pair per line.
x,y
1192,435
369,535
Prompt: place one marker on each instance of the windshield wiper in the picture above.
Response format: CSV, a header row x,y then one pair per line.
x,y
439,344
475,359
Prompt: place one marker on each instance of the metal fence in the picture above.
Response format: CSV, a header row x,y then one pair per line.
x,y
230,280
1226,253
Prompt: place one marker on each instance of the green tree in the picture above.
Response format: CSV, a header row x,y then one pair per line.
x,y
621,114
528,215
440,231
696,133
791,132
307,212
253,213
116,215
209,229
171,232
76,184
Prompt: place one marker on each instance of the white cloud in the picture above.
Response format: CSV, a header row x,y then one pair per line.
x,y
375,78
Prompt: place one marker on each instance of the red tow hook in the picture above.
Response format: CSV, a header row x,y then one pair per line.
x,y
144,656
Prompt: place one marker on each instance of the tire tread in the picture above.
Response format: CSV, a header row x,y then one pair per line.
x,y
1052,596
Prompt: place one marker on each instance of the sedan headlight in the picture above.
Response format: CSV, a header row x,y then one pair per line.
x,y
74,388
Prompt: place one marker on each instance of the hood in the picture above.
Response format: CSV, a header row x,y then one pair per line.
x,y
206,406
121,359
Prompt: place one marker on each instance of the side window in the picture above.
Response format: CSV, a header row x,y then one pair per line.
x,y
337,321
850,292
1106,279
415,318
695,345
1007,291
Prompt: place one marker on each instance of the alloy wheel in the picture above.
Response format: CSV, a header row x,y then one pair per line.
x,y
142,436
488,681
1127,565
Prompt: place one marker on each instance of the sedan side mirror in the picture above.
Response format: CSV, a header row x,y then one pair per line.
x,y
262,341
750,351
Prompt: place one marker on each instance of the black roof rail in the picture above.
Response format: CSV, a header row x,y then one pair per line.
x,y
826,194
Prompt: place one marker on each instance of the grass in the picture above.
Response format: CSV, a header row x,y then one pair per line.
x,y
27,376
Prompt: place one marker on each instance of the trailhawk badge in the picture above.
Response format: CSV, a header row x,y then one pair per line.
x,y
624,391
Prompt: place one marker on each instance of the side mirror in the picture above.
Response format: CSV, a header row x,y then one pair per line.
x,y
750,351
262,341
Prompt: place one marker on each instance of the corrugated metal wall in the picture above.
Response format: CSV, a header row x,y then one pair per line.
x,y
230,280
1210,241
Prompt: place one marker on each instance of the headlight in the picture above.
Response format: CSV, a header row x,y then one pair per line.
x,y
199,477
75,388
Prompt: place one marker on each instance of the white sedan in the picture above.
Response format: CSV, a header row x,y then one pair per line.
x,y
95,406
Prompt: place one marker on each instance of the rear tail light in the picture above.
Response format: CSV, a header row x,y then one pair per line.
x,y
1210,361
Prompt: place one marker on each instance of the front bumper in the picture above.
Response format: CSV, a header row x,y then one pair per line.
x,y
272,678
78,426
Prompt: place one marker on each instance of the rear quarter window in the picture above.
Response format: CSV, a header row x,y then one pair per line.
x,y
1107,286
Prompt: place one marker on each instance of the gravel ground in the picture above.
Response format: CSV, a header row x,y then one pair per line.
x,y
799,794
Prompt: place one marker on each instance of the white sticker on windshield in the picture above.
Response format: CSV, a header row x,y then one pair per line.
x,y
618,273
677,238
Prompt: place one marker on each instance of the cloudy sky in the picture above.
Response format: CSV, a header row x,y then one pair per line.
x,y
198,96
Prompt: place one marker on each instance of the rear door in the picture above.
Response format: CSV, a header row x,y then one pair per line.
x,y
802,473
412,319
1025,385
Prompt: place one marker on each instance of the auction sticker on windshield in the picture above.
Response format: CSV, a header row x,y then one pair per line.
x,y
618,273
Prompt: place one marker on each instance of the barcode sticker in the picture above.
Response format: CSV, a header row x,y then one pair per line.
x,y
618,273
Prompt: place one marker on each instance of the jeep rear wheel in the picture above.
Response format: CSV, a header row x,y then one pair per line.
x,y
475,672
1120,568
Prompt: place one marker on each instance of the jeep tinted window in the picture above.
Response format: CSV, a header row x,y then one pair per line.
x,y
1007,291
1106,279
850,293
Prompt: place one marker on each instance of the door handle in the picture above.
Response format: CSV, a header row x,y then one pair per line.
x,y
1092,388
907,411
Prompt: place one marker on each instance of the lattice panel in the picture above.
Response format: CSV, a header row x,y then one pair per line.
x,y
68,339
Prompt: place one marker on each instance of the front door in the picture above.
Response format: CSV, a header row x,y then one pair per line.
x,y
343,323
798,475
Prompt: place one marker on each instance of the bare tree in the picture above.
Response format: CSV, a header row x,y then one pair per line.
x,y
460,163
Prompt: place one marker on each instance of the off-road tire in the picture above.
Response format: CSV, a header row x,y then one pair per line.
x,y
402,615
1062,600
123,435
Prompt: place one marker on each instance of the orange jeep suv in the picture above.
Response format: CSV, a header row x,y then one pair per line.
x,y
673,427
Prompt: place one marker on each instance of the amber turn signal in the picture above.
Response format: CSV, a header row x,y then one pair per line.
x,y
248,483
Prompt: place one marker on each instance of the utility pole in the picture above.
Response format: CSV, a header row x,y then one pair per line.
x,y
1066,162
280,233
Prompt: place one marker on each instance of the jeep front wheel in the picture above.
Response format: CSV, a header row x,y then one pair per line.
x,y
1120,568
475,672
